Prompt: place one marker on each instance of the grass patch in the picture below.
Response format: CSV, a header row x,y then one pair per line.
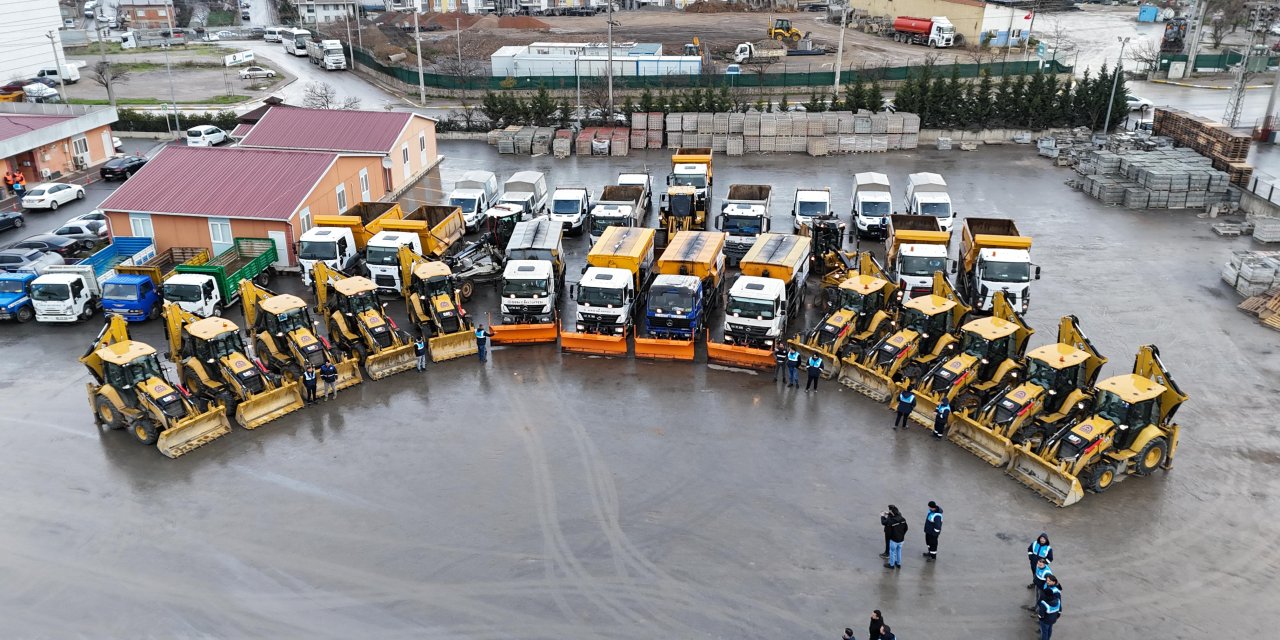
x,y
155,102
220,19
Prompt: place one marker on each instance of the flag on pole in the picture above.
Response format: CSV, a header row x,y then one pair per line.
x,y
1029,15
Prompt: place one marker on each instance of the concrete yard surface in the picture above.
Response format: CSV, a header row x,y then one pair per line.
x,y
562,496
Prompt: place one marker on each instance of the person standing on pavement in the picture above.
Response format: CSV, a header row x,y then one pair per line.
x,y
941,416
482,341
814,369
886,633
8,181
19,184
877,621
1041,571
906,404
420,350
1039,548
1050,606
932,529
896,527
329,375
780,362
793,367
309,384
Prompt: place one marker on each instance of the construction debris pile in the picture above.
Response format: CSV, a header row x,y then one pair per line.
x,y
1227,149
1160,179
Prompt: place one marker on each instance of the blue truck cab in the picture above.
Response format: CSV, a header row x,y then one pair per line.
x,y
133,296
675,307
15,297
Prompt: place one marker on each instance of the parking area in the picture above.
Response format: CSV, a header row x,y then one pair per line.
x,y
550,495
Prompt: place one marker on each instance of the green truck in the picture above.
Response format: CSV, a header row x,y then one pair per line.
x,y
207,289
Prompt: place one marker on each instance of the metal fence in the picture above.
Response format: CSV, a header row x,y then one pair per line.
x,y
1206,62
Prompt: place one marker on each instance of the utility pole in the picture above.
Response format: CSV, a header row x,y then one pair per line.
x,y
102,54
57,65
417,42
346,17
1115,80
835,88
168,68
1197,27
609,71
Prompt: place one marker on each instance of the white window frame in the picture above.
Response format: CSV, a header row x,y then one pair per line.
x,y
80,146
217,228
341,193
162,13
404,157
140,225
364,185
304,219
422,148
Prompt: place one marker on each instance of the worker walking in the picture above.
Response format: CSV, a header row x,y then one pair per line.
x,y
932,529
1038,549
886,633
896,527
482,341
329,375
793,367
941,416
814,369
906,404
309,384
1050,606
420,350
780,362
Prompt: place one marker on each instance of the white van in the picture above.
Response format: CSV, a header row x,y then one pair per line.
x,y
271,34
70,74
205,135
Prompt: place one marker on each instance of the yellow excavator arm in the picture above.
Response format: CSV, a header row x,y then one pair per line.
x,y
943,289
1069,332
175,318
251,295
1000,308
115,330
408,260
1148,365
321,277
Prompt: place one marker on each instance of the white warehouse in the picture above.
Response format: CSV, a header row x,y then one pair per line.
x,y
590,59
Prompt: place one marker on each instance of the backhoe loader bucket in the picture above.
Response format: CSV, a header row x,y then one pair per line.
x,y
663,349
926,409
830,361
390,361
979,440
594,343
1045,478
264,407
348,373
524,333
867,381
448,346
735,356
194,431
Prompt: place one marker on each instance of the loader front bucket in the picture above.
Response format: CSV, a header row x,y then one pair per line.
x,y
1045,478
264,407
830,361
594,343
194,431
867,381
979,440
735,356
926,408
524,333
448,346
348,373
390,361
664,349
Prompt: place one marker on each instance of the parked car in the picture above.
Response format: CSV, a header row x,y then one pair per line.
x,y
48,82
87,229
93,216
211,37
1137,102
205,135
115,142
226,34
257,32
65,246
49,195
14,86
121,168
28,260
256,72
12,220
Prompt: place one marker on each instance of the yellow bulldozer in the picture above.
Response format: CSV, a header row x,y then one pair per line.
x,y
990,360
284,335
1129,432
434,302
130,391
357,323
782,29
865,306
1055,389
925,333
211,361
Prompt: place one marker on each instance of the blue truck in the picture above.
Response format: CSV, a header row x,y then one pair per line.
x,y
15,297
134,291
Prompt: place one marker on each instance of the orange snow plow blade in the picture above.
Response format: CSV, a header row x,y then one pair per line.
x,y
662,349
735,356
594,343
524,333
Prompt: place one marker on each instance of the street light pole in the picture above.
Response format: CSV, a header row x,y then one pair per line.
x,y
609,114
1115,81
417,42
58,65
835,88
173,93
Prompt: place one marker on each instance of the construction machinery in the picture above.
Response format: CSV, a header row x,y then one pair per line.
x,y
989,360
863,307
925,334
782,29
434,304
1130,432
284,338
762,301
211,361
687,288
358,324
1055,390
686,201
130,391
618,270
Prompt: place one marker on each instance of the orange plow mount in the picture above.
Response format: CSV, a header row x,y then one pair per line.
x,y
594,343
664,349
524,333
736,356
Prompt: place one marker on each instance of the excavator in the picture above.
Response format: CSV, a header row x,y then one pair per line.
x,y
130,391
284,337
782,29
435,306
864,308
1130,432
990,359
211,361
356,322
1055,390
925,334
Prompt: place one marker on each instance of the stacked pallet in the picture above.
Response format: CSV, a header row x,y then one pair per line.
x,y
602,141
562,143
1227,149
1265,306
618,142
792,132
542,137
1158,179
1252,273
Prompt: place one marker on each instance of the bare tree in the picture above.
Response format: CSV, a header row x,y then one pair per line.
x,y
760,67
465,69
1146,53
1057,37
467,115
106,74
322,95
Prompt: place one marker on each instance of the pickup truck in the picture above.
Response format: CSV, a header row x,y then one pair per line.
x,y
744,215
134,292
208,289
15,297
618,206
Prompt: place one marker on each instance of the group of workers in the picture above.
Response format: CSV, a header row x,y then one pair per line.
x,y
786,361
15,182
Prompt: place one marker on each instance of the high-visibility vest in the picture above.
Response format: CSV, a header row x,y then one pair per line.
x,y
1057,601
1040,550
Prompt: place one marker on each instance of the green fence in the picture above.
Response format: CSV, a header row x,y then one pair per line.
x,y
1219,61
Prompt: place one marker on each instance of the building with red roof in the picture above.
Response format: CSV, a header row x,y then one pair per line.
x,y
46,141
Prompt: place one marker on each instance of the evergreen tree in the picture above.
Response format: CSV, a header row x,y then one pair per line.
x,y
1080,100
924,97
1065,109
954,98
646,101
628,106
855,95
725,100
1003,98
873,98
564,114
963,111
980,105
814,104
939,111
1033,116
907,98
540,108
1119,104
783,104
1049,114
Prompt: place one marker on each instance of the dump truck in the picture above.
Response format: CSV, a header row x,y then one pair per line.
x,y
134,292
763,49
357,323
744,215
763,301
618,206
645,182
861,309
284,337
129,391
15,297
433,301
925,334
73,292
531,283
212,363
1129,432
682,296
685,203
619,267
989,359
915,249
994,257
872,205
1056,389
208,289
927,195
339,240
430,230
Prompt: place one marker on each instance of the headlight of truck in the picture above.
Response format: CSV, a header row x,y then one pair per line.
x,y
581,327
617,329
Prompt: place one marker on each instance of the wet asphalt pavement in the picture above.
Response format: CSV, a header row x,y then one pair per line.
x,y
563,496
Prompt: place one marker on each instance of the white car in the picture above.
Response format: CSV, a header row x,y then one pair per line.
x,y
83,228
1136,103
93,216
205,135
256,72
209,37
226,34
50,195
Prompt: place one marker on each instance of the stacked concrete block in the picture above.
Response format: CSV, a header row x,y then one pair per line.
x,y
1252,273
1226,148
1163,178
734,145
706,122
720,124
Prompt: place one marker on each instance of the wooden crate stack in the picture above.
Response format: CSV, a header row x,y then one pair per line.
x,y
1226,148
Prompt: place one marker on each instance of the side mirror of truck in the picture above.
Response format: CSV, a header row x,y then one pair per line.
x,y
573,289
1037,272
955,265
720,222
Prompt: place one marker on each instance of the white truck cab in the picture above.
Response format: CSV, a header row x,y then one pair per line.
x,y
527,190
474,194
334,246
196,293
66,293
605,298
528,292
569,206
756,307
382,257
810,204
604,216
872,204
927,196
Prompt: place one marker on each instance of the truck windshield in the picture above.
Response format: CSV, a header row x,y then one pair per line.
x,y
1006,271
922,265
318,250
182,292
681,206
810,209
688,180
598,297
937,209
666,299
382,255
566,207
916,320
524,288
118,291
599,224
468,205
742,225
10,286
875,209
750,308
48,292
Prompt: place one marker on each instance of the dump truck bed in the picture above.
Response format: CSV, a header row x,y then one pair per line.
x,y
691,155
438,226
776,255
752,193
162,266
246,259
620,194
989,233
694,253
121,251
909,229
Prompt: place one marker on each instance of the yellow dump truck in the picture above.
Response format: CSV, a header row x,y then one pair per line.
x,y
994,256
211,360
363,220
864,306
763,301
915,248
688,196
619,267
683,295
284,338
1056,389
429,230
434,305
130,391
358,324
1130,432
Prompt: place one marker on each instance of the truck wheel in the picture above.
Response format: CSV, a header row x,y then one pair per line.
x,y
25,314
468,287
87,313
1100,477
154,312
107,413
217,310
263,279
146,431
933,45
1152,456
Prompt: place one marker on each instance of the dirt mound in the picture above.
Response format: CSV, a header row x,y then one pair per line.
x,y
716,6
451,21
522,22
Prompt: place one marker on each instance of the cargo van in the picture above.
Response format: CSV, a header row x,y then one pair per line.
x,y
271,34
205,135
70,74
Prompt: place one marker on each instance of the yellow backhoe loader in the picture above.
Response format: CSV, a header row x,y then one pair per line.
x,y
990,360
781,29
434,303
284,335
211,361
925,334
1055,389
1129,433
865,305
357,323
130,391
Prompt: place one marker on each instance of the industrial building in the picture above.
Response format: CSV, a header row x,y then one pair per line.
x,y
977,22
147,14
590,59
30,36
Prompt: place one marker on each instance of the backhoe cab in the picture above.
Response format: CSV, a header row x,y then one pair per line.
x,y
130,391
865,306
434,303
782,30
356,322
284,337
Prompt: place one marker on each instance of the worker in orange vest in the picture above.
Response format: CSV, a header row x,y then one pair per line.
x,y
8,181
